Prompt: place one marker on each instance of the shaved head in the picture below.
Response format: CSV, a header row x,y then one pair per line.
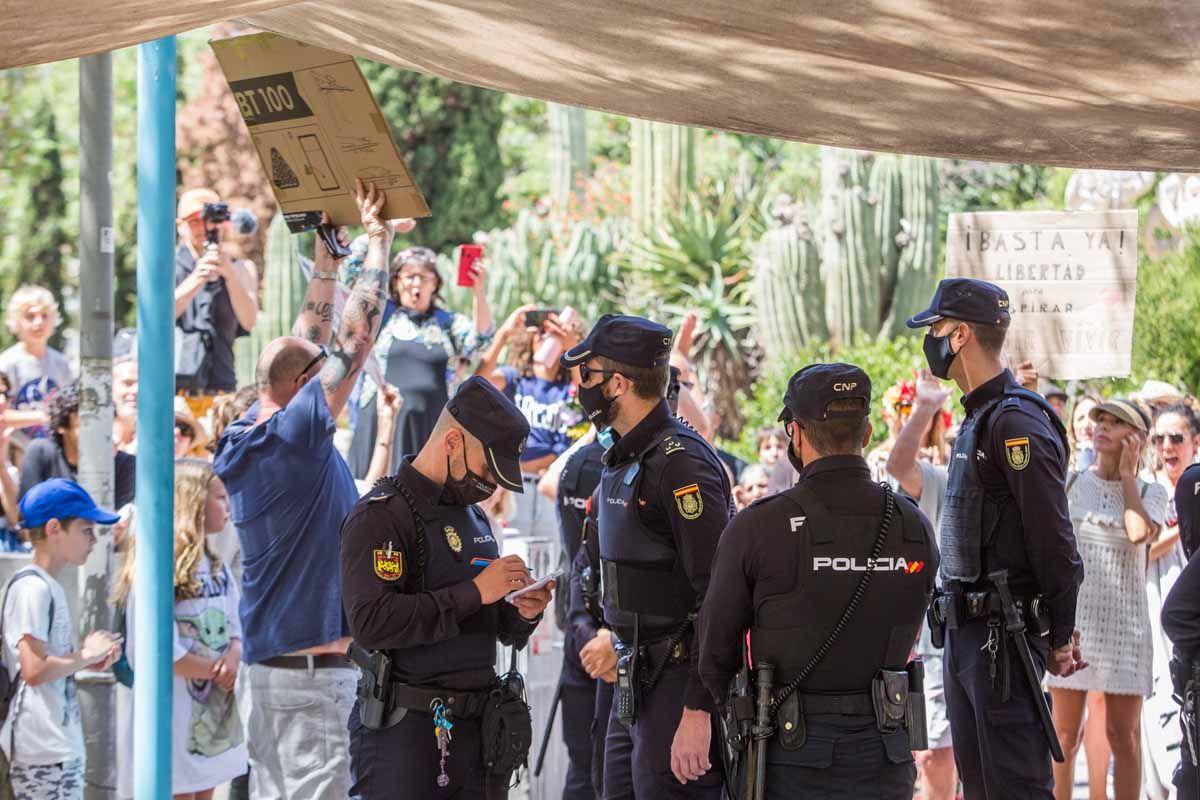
x,y
279,365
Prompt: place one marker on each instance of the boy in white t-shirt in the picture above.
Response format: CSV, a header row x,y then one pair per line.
x,y
42,738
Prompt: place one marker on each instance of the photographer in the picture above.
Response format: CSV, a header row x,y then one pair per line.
x,y
215,298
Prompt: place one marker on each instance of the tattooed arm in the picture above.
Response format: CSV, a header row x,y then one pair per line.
x,y
363,314
315,321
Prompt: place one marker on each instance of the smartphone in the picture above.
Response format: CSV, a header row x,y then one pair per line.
x,y
468,254
537,318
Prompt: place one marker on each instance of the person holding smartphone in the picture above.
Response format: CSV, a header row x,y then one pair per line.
x,y
419,345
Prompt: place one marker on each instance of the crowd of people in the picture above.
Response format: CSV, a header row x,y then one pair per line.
x,y
265,684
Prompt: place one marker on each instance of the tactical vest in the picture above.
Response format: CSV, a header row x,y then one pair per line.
x,y
799,599
579,479
451,539
643,580
969,516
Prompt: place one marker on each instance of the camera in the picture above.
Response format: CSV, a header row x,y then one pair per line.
x,y
213,215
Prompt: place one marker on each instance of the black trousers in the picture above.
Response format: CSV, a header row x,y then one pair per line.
x,y
999,748
403,761
842,758
1187,779
578,708
648,749
612,749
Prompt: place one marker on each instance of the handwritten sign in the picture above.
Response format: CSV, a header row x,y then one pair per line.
x,y
1071,279
317,128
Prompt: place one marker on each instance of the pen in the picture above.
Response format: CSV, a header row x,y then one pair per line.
x,y
481,562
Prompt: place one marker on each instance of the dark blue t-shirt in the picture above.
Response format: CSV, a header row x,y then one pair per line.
x,y
289,490
548,409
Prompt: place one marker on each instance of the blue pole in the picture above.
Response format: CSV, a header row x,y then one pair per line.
x,y
154,576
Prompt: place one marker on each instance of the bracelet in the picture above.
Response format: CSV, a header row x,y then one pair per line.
x,y
325,276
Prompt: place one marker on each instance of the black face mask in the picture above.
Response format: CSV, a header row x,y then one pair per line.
x,y
938,354
793,457
597,407
467,490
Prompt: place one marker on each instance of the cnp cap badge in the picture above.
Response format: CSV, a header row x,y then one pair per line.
x,y
389,563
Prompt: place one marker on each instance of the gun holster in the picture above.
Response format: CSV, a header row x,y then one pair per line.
x,y
376,710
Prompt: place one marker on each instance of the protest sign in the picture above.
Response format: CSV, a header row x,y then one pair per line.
x,y
317,127
1071,279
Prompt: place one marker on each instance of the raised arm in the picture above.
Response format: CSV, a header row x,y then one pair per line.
x,y
902,461
363,314
315,321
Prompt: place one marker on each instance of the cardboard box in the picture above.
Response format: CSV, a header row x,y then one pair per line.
x,y
317,127
1071,278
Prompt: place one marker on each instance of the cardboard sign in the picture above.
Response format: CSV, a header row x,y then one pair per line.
x,y
1071,279
317,127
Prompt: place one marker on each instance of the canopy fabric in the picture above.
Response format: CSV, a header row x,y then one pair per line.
x,y
1098,83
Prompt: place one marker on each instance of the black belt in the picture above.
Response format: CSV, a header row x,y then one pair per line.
x,y
851,705
326,661
977,605
655,653
460,704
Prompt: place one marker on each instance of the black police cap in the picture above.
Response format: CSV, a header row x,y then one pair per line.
x,y
635,341
812,389
965,299
489,416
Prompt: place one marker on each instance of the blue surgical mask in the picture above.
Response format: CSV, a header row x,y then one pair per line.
x,y
605,437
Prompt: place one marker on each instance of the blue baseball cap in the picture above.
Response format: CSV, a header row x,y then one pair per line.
x,y
491,418
968,300
812,389
59,498
635,341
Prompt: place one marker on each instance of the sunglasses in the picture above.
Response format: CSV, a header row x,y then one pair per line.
x,y
317,359
1176,439
586,372
185,430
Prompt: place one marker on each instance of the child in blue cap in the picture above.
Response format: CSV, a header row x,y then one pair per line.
x,y
42,737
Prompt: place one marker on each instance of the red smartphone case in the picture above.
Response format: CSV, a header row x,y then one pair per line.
x,y
468,254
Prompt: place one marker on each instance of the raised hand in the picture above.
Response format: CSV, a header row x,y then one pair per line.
x,y
930,391
370,206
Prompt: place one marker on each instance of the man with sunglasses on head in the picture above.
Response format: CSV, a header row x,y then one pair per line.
x,y
289,490
1010,568
663,500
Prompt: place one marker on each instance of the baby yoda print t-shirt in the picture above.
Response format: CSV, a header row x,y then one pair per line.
x,y
208,744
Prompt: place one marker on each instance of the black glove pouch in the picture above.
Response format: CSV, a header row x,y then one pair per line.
x,y
507,731
789,722
889,697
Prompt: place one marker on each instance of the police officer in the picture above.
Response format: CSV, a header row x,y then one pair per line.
x,y
664,499
423,586
789,568
1187,506
1007,545
577,689
1181,623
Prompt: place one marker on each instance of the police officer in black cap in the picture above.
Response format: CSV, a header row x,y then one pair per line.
x,y
423,589
1010,568
1187,506
832,577
664,499
1181,623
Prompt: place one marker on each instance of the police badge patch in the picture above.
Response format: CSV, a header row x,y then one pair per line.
x,y
1017,451
452,538
689,502
389,563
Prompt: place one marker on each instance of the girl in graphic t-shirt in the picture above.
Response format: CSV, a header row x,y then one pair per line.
x,y
208,745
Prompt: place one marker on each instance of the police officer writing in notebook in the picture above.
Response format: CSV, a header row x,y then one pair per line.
x,y
832,577
663,500
424,590
1010,568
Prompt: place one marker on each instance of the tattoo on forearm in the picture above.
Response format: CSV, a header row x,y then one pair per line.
x,y
357,330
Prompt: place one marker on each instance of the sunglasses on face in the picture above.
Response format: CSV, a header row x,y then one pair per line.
x,y
185,430
317,359
1176,439
586,372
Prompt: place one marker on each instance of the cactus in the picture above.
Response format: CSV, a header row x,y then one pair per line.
x,y
850,255
663,168
283,288
917,266
568,153
885,191
788,291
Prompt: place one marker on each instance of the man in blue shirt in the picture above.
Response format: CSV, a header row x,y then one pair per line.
x,y
289,491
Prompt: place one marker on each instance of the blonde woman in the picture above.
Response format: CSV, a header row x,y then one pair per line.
x,y
33,368
1115,516
207,740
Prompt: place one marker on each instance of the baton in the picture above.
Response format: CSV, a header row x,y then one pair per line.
x,y
763,730
537,770
1015,624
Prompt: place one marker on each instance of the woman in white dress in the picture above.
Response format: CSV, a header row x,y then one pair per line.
x,y
1174,442
1115,516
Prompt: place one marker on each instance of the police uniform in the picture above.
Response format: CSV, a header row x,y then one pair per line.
x,y
786,569
1187,507
407,590
663,500
580,477
1005,511
1181,623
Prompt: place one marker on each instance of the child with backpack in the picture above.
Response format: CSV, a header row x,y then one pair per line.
x,y
42,737
207,742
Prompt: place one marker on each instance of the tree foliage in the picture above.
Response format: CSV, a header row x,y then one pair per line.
x,y
450,135
1166,330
